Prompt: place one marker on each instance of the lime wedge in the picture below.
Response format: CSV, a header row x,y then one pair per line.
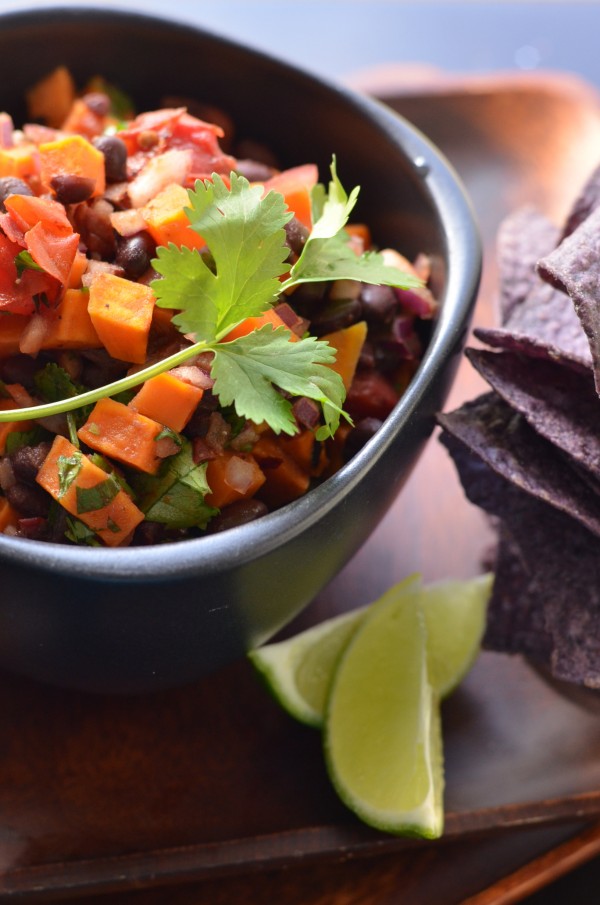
x,y
455,614
298,671
382,733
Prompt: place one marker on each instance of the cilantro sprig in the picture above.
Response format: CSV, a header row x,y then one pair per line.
x,y
247,271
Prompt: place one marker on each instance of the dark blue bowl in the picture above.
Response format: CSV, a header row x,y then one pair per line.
x,y
145,618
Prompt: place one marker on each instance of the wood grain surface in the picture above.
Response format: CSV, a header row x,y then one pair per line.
x,y
210,794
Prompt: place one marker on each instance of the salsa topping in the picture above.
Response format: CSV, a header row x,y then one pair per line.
x,y
177,333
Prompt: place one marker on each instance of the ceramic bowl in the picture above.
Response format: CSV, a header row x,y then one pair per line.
x,y
144,618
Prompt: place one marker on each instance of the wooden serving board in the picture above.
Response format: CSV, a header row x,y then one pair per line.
x,y
205,794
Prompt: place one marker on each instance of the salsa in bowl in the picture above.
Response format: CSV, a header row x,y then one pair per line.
x,y
164,608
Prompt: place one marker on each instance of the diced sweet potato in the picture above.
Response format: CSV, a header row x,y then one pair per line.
x,y
119,432
11,328
254,323
167,400
20,161
295,185
285,479
71,326
72,155
121,312
115,520
51,98
348,343
232,476
166,219
8,516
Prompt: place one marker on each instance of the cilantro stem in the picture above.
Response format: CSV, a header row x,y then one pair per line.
x,y
109,389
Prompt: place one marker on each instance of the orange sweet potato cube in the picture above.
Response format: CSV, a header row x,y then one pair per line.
x,y
168,400
121,312
115,520
71,326
119,432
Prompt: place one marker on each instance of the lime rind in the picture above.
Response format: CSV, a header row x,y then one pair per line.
x,y
455,613
382,739
373,679
298,671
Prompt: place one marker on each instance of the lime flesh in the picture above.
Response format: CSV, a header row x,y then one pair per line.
x,y
299,670
373,680
455,614
382,737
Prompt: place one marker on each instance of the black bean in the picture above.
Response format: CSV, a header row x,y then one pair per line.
x,y
72,189
335,315
366,359
115,157
378,302
99,368
254,170
19,369
236,514
134,254
308,298
306,412
27,461
149,533
363,430
10,185
29,500
97,102
296,235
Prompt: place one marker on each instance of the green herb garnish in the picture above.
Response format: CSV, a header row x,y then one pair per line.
x,y
24,261
175,497
89,499
80,534
245,234
68,468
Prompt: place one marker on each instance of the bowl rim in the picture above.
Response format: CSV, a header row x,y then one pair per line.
x,y
245,543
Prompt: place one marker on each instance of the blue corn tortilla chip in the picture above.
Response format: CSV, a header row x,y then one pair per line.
x,y
516,621
547,314
504,441
574,268
586,202
559,403
532,347
523,238
545,602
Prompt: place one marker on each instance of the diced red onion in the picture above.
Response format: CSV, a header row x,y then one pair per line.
x,y
418,301
239,473
158,173
6,131
32,337
166,447
194,376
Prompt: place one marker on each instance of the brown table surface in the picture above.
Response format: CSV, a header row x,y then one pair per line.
x,y
211,794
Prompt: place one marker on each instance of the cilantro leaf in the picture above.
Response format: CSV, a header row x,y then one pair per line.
x,y
17,439
80,534
68,468
90,499
175,497
245,235
332,210
334,259
248,370
53,383
24,261
328,256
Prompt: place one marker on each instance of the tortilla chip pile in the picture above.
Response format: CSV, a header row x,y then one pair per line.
x,y
528,451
